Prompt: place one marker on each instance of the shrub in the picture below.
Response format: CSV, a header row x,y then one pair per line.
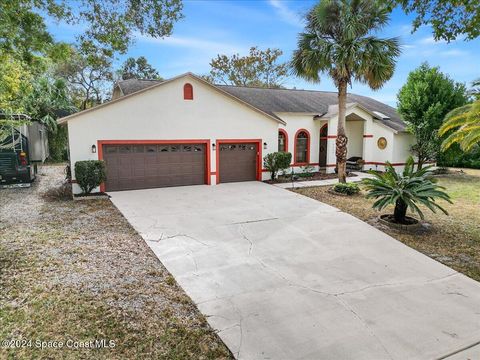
x,y
276,161
89,174
346,188
406,190
307,171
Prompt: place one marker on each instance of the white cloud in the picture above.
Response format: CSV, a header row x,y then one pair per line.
x,y
287,14
453,53
429,40
195,43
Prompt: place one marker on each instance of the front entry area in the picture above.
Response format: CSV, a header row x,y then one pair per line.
x,y
142,166
237,161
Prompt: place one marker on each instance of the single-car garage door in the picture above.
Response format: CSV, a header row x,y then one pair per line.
x,y
153,165
238,162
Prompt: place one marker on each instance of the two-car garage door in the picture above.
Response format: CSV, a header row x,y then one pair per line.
x,y
142,166
154,165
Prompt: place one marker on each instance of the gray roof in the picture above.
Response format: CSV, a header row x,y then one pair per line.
x,y
309,101
273,101
133,85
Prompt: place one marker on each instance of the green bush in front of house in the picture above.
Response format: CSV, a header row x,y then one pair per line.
x,y
277,161
346,188
89,174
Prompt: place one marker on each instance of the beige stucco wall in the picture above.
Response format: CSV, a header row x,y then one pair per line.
x,y
162,114
297,121
397,149
354,130
401,147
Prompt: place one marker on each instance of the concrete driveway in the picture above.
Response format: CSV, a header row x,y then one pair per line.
x,y
283,276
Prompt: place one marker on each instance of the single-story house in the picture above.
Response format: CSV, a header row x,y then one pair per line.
x,y
186,131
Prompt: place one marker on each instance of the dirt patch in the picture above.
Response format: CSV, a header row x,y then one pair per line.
x,y
78,270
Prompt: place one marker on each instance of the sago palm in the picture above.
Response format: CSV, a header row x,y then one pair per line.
x,y
338,40
405,191
465,123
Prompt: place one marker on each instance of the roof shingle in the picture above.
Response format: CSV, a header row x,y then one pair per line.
x,y
272,101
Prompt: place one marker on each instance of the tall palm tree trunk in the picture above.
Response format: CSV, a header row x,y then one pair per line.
x,y
342,140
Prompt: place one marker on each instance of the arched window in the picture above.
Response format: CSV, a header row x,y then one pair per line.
x,y
302,147
188,92
282,140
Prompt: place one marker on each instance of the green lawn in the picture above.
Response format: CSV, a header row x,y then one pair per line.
x,y
453,240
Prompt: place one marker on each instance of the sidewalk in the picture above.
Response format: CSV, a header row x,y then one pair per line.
x,y
299,184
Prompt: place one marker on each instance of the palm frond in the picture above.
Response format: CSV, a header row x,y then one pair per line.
x,y
465,124
411,187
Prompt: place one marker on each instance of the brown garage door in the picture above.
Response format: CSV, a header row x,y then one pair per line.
x,y
150,166
238,162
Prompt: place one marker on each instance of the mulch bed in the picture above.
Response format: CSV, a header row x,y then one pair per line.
x,y
316,176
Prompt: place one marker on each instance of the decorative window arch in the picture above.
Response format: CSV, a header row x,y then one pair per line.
x,y
188,91
282,140
302,147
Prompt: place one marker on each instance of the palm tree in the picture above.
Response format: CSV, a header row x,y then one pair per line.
x,y
339,41
406,190
475,91
465,121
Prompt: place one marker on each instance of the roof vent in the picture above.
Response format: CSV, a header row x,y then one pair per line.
x,y
380,115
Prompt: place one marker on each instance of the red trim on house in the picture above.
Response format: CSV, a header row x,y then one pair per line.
x,y
284,132
331,136
206,142
213,173
295,148
258,142
187,91
367,136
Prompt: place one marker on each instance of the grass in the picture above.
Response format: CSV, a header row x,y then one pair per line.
x,y
76,270
453,240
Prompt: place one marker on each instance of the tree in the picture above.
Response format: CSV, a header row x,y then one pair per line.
x,y
406,190
448,18
465,123
15,83
89,76
49,100
339,41
259,68
111,25
23,33
475,91
423,102
138,69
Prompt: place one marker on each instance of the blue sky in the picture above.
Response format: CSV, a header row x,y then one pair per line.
x,y
228,27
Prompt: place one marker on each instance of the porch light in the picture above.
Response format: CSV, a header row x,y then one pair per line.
x,y
265,145
213,146
94,149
